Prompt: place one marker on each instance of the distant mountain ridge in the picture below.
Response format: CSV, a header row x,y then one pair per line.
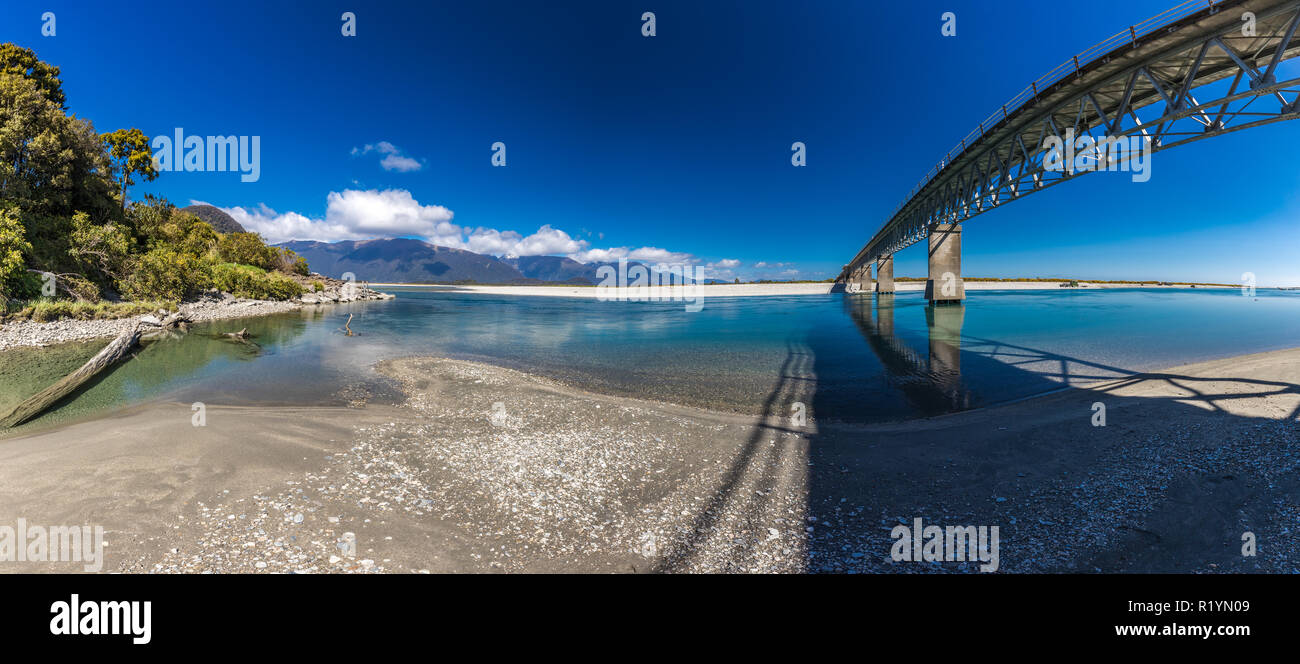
x,y
405,260
555,269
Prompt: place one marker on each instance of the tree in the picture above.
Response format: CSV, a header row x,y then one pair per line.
x,y
63,211
19,61
52,165
128,152
13,247
100,248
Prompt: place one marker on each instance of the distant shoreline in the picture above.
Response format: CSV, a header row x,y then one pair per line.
x,y
755,290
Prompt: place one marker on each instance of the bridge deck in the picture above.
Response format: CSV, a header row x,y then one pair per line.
x,y
1107,89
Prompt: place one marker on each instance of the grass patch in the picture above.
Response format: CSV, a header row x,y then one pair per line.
x,y
44,310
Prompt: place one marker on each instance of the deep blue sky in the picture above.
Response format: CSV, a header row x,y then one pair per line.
x,y
680,141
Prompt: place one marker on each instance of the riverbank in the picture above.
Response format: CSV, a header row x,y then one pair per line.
x,y
750,290
489,469
208,307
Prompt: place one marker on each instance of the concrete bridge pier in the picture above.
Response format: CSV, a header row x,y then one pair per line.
x,y
885,275
861,280
944,284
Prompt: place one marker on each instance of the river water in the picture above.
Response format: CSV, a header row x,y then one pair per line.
x,y
858,358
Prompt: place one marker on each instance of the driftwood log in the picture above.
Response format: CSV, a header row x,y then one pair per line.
x,y
114,351
37,404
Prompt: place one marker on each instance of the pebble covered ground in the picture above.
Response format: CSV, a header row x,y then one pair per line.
x,y
209,307
515,473
488,469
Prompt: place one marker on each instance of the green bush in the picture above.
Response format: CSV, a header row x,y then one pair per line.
x,y
47,309
190,234
289,262
252,282
13,248
24,286
100,250
317,286
164,274
246,249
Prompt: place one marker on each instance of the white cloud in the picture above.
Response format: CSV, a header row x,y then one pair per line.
x,y
492,241
642,254
400,163
394,159
390,213
356,215
548,241
364,214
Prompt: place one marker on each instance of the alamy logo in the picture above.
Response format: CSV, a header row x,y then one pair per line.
x,y
948,285
56,544
934,544
242,154
92,618
1248,284
638,283
1075,154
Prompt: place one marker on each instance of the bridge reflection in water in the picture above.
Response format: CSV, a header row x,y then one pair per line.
x,y
930,382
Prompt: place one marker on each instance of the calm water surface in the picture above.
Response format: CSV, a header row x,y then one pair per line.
x,y
859,358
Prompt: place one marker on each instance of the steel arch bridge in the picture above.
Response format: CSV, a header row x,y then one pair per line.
x,y
1196,71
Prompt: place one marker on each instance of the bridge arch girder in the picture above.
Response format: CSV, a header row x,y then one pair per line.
x,y
1190,79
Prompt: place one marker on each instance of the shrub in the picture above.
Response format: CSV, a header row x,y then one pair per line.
x,y
187,233
246,249
13,247
148,217
47,309
288,262
164,274
252,282
79,287
25,286
317,286
99,248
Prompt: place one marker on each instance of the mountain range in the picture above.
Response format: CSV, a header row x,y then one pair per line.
x,y
405,260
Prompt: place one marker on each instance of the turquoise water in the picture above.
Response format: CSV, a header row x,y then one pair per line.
x,y
858,358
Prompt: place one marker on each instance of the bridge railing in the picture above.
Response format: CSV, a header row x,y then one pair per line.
x,y
1072,66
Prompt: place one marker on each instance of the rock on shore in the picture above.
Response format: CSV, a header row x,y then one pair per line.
x,y
336,290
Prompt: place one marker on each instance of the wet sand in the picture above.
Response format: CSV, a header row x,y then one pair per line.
x,y
486,469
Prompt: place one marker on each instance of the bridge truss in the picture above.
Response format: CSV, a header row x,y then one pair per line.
x,y
1197,71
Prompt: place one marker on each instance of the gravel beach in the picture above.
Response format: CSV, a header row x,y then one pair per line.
x,y
486,469
212,305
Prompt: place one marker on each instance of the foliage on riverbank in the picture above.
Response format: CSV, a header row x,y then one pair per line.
x,y
69,235
47,309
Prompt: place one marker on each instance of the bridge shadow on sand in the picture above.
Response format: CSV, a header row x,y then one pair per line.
x,y
1182,468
